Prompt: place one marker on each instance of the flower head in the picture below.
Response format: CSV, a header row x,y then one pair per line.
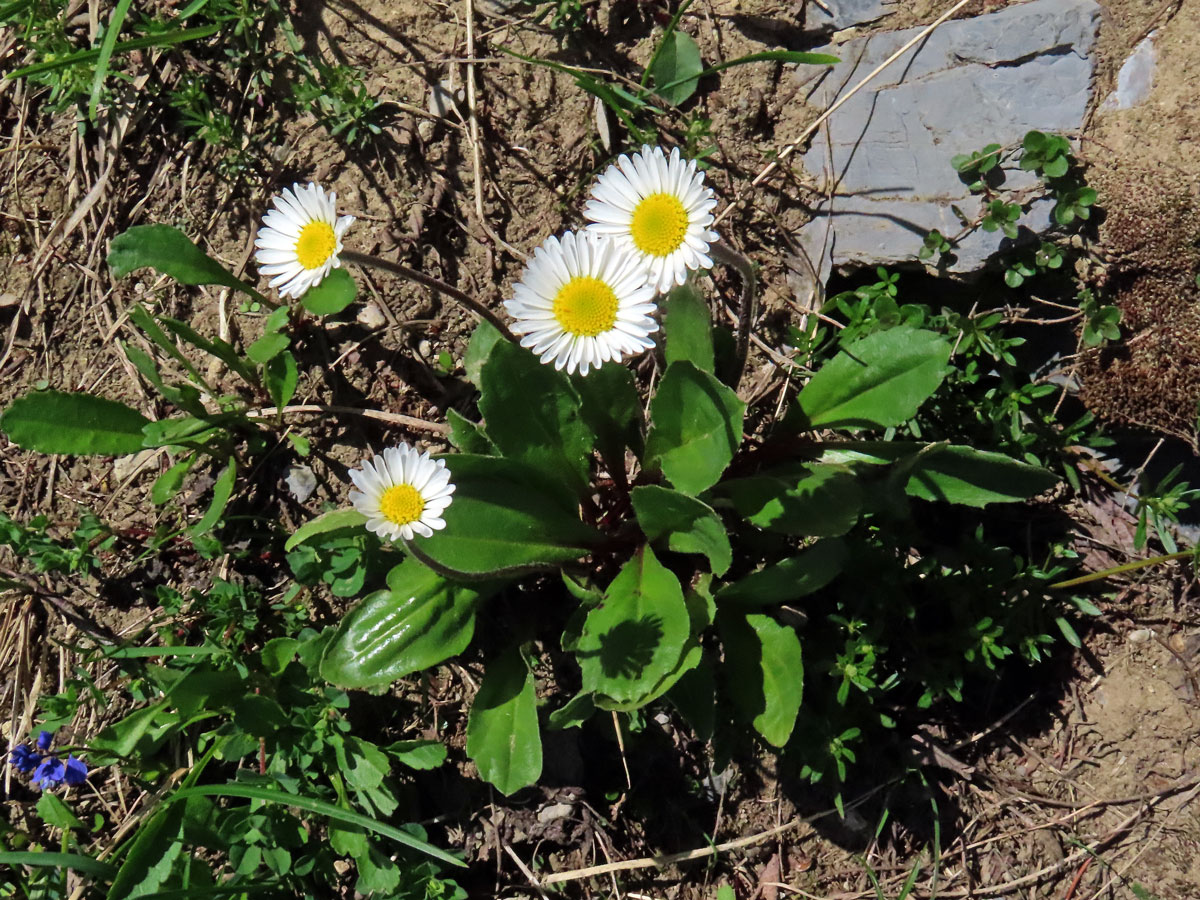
x,y
44,740
300,239
582,301
659,207
23,758
49,773
75,771
402,492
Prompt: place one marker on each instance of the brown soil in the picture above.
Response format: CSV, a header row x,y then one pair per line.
x,y
1107,754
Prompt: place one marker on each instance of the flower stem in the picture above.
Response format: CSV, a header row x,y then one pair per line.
x,y
434,284
723,253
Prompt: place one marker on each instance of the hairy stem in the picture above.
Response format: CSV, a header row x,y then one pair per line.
x,y
434,284
723,253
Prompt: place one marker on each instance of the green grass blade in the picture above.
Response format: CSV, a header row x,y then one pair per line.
x,y
164,39
58,861
152,652
792,56
320,807
106,50
217,890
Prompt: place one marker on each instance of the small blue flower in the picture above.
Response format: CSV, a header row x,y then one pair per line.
x,y
23,759
43,741
49,773
76,771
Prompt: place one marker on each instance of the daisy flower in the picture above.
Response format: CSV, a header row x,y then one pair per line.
x,y
658,206
583,300
300,239
402,492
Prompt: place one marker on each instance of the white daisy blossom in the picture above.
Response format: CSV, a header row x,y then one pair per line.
x,y
660,207
300,239
402,492
583,300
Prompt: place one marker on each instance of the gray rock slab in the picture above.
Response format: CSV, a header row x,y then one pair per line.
x,y
1136,77
840,14
972,82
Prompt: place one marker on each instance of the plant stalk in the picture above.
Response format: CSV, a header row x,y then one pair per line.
x,y
723,253
434,284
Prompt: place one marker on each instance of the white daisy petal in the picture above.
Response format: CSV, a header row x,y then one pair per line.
x,y
402,492
572,297
659,208
300,239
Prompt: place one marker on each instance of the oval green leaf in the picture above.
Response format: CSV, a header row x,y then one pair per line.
x,y
336,291
764,672
877,382
505,518
502,728
697,427
170,252
636,637
419,621
75,424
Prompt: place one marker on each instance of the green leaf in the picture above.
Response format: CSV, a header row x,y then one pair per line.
x,y
504,519
420,755
532,413
467,436
697,427
791,579
268,347
764,673
336,291
676,68
115,22
637,635
877,382
502,728
689,525
813,500
612,410
222,350
168,251
788,56
281,377
151,856
479,349
326,522
687,327
185,397
577,710
75,424
222,491
160,39
419,621
957,474
321,807
56,813
44,860
695,696
147,324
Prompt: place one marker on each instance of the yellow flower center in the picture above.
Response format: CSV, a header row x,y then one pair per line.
x,y
585,306
401,504
659,224
316,244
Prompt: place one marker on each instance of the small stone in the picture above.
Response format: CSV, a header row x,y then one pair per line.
x,y
124,466
7,299
425,130
555,811
371,316
424,349
1140,636
443,98
301,482
840,14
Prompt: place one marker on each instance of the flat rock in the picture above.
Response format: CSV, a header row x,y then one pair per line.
x,y
840,14
1136,77
972,82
